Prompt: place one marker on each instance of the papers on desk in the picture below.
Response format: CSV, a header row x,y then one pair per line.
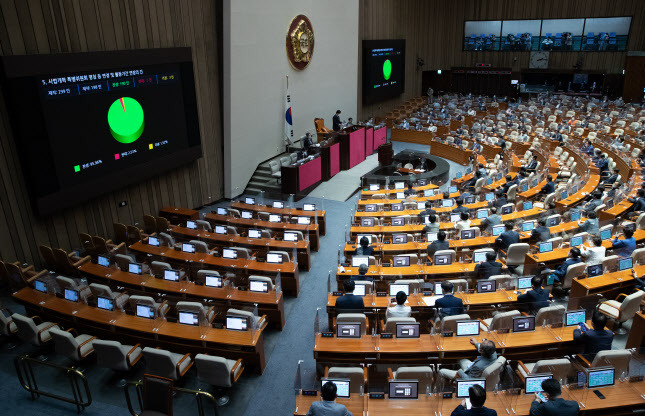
x,y
430,300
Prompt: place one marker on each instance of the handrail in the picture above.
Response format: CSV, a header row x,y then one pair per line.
x,y
200,396
24,365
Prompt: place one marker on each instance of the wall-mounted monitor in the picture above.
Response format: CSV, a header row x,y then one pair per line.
x,y
99,121
383,69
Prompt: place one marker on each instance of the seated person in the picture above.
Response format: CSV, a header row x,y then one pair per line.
x,y
624,246
488,268
639,201
349,301
532,164
590,226
410,192
493,219
400,310
508,237
593,204
433,226
362,273
594,254
555,405
328,406
474,369
596,339
602,164
535,298
306,141
463,223
460,207
540,233
612,178
572,258
449,305
477,396
549,186
499,201
427,211
439,244
364,249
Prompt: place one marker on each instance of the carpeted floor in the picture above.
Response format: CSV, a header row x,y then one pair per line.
x,y
269,394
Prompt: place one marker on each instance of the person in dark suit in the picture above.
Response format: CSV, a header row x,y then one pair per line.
x,y
449,305
328,406
362,273
596,339
306,141
500,200
572,258
349,301
336,121
602,164
439,244
426,212
556,405
477,396
488,268
612,178
535,298
364,249
540,233
549,186
532,165
460,207
508,237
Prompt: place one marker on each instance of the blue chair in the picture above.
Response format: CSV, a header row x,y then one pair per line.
x,y
548,35
612,34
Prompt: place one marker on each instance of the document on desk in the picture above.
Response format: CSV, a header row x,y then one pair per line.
x,y
430,300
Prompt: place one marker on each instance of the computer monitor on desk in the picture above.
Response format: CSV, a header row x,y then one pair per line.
x,y
247,215
467,328
278,204
533,383
220,229
467,234
625,263
498,229
398,222
213,281
528,226
367,222
237,323
135,268
479,256
229,253
249,200
486,286
601,377
191,224
348,330
222,211
573,318
464,385
482,213
546,246
576,215
188,248
145,311
370,208
399,238
375,187
403,389
103,261
275,218
40,286
396,288
71,295
188,318
443,259
360,236
258,286
408,330
290,236
275,258
153,241
595,270
397,206
576,241
304,220
171,275
400,261
309,207
524,323
104,303
399,185
360,290
430,237
605,235
342,386
358,260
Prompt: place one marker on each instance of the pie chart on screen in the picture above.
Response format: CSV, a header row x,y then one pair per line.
x,y
125,118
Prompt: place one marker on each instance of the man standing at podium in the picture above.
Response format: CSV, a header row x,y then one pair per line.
x,y
336,121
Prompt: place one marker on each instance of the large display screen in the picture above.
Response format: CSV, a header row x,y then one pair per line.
x,y
383,69
90,123
590,34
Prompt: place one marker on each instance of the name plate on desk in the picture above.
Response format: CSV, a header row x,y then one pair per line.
x,y
327,334
386,335
504,330
337,293
427,293
447,395
447,334
557,325
381,294
635,379
309,393
515,391
377,395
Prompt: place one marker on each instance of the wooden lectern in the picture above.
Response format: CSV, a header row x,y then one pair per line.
x,y
320,129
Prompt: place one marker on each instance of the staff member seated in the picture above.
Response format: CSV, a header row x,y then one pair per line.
x,y
433,226
549,186
474,369
488,268
532,165
349,301
449,305
555,405
362,272
572,258
364,249
328,406
400,310
492,220
428,211
624,246
593,204
508,237
477,396
541,232
460,207
439,244
535,298
596,339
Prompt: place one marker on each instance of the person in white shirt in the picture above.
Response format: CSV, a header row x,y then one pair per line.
x,y
399,310
594,254
463,223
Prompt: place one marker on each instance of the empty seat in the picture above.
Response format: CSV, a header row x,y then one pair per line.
x,y
550,315
622,311
357,376
84,292
29,331
356,318
219,372
424,374
114,355
119,299
206,315
77,347
390,324
166,364
503,320
254,321
159,308
560,368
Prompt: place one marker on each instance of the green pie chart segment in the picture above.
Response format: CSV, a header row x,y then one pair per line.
x,y
387,69
125,118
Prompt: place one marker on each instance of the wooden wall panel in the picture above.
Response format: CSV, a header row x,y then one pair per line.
x,y
60,26
434,32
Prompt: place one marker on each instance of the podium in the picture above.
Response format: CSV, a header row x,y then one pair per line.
x,y
301,177
352,146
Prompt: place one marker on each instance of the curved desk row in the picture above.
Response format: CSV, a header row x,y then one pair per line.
x,y
130,329
322,215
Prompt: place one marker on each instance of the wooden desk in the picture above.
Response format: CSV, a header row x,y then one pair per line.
x,y
149,332
575,199
366,193
194,262
636,337
178,215
270,304
608,282
417,271
362,202
255,244
621,399
294,212
312,229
